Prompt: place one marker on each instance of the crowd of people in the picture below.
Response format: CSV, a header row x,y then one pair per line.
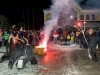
x,y
64,36
90,41
6,35
71,35
18,43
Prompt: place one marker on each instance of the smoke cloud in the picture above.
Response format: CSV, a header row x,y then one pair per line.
x,y
60,16
61,10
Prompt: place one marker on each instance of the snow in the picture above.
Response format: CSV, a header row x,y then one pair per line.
x,y
31,69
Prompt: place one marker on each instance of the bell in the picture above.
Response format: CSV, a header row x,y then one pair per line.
x,y
20,64
97,47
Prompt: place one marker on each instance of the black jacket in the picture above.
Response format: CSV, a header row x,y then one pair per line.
x,y
93,39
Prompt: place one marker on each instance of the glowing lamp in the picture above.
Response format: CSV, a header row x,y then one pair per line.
x,y
84,22
71,17
78,24
74,26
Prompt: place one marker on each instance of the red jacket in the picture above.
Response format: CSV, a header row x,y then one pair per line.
x,y
64,32
55,33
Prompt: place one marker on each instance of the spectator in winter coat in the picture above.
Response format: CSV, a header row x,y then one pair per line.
x,y
72,37
0,40
80,39
64,34
68,39
93,38
55,35
30,38
5,38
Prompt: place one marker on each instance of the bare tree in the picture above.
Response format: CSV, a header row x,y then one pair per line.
x,y
4,23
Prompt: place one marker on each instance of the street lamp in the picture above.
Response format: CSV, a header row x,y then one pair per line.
x,y
84,25
72,19
71,16
78,24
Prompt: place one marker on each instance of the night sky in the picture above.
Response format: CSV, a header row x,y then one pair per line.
x,y
13,10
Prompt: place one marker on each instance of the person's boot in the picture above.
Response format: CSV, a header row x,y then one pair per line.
x,y
95,59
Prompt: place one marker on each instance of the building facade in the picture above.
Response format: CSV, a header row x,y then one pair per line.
x,y
84,14
47,13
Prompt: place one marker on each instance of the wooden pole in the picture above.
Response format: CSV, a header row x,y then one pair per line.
x,y
24,19
28,18
33,19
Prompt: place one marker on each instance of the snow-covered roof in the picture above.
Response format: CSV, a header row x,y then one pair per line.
x,y
46,9
88,4
93,5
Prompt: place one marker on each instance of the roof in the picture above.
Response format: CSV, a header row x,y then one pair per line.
x,y
46,9
88,4
85,7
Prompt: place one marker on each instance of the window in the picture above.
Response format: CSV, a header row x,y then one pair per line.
x,y
93,16
81,17
87,17
49,17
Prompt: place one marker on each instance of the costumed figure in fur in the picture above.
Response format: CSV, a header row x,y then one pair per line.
x,y
93,40
22,49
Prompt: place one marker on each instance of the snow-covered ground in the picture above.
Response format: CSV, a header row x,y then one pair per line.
x,y
31,69
5,71
64,47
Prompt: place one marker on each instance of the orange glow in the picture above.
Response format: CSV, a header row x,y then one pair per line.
x,y
1,33
78,24
43,44
74,26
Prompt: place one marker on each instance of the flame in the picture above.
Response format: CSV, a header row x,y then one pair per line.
x,y
43,43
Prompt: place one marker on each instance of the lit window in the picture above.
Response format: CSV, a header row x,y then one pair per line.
x,y
81,17
93,16
49,17
87,17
